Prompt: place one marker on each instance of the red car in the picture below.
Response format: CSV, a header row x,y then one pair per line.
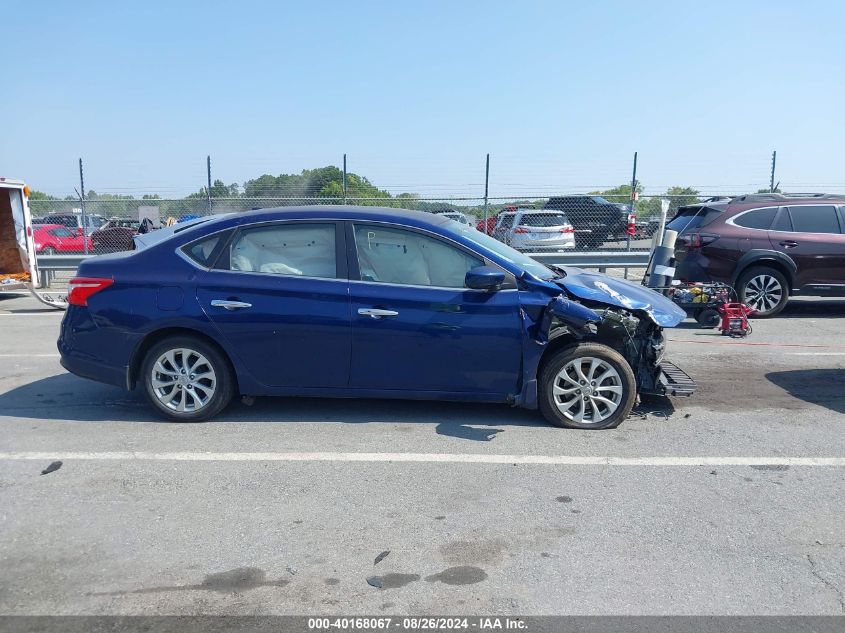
x,y
491,224
55,238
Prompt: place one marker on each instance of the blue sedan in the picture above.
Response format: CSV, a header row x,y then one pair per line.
x,y
339,301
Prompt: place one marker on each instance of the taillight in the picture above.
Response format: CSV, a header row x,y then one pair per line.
x,y
567,229
521,229
697,240
81,288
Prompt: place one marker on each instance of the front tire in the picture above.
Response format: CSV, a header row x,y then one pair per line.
x,y
187,379
764,289
587,386
49,250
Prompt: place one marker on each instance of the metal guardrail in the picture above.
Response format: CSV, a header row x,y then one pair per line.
x,y
595,259
49,264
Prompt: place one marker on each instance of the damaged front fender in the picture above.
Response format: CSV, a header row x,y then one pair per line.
x,y
559,315
576,317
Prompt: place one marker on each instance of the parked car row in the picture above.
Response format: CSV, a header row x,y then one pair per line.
x,y
63,233
584,222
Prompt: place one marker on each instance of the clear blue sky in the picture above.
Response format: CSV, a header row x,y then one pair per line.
x,y
560,93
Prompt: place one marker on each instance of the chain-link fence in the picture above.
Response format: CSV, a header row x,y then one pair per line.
x,y
575,221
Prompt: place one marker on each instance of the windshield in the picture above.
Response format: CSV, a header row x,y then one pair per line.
x,y
502,250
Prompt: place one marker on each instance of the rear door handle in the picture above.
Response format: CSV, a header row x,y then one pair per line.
x,y
789,243
230,305
377,313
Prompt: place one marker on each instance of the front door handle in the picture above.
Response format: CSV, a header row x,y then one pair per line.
x,y
377,313
230,305
788,243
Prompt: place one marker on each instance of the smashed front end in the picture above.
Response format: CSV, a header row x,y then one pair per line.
x,y
592,307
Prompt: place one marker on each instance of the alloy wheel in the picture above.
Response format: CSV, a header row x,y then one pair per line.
x,y
587,390
763,293
183,380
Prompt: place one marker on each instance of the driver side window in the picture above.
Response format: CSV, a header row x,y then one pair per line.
x,y
399,256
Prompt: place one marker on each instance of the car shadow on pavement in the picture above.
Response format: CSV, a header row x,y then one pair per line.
x,y
824,387
800,309
66,397
820,309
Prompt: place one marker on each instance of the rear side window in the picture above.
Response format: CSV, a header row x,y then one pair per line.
x,y
691,218
301,250
202,252
544,219
756,218
814,219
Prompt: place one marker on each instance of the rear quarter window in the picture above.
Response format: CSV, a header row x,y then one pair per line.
x,y
756,218
204,252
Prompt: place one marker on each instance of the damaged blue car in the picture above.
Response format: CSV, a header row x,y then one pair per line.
x,y
340,301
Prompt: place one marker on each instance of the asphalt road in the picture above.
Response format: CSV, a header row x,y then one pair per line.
x,y
730,502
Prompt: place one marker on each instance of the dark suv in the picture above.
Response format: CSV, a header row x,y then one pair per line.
x,y
767,246
595,219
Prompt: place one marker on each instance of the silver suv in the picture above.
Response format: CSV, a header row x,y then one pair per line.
x,y
534,230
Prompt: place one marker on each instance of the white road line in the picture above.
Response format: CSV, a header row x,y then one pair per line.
x,y
816,354
30,356
454,458
51,313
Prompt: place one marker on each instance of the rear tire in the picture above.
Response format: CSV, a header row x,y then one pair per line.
x,y
49,250
763,288
586,386
187,379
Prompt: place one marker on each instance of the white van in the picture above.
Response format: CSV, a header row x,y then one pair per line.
x,y
18,266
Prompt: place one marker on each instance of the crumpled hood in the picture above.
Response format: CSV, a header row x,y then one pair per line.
x,y
622,294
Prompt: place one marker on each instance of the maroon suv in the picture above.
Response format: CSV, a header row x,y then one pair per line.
x,y
767,246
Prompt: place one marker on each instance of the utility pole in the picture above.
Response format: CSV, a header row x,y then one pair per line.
x,y
633,202
208,173
82,205
344,179
772,180
486,190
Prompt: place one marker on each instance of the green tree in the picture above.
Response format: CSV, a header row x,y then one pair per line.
x,y
681,197
40,195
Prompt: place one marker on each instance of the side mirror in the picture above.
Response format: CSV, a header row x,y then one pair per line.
x,y
79,231
484,278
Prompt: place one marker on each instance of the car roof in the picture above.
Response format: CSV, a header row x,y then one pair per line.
x,y
346,212
756,200
209,224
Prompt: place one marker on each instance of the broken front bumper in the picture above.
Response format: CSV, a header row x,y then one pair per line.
x,y
674,381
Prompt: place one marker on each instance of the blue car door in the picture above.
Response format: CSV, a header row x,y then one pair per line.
x,y
279,295
415,327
